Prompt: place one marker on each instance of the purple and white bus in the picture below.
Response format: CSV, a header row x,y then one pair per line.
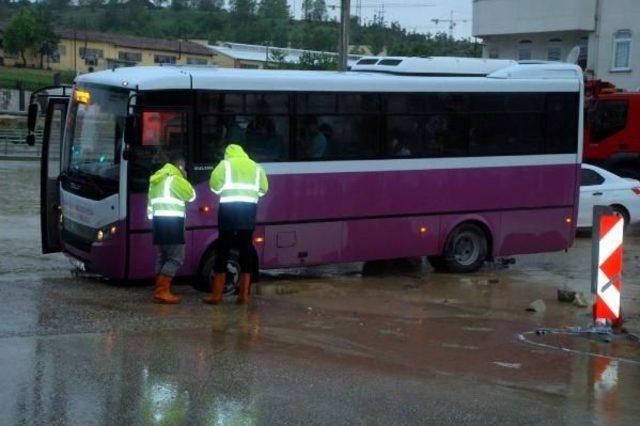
x,y
460,160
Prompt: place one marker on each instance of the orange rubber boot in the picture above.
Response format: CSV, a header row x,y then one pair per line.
x,y
162,293
217,287
245,284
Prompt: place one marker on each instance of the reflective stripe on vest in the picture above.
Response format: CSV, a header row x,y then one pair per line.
x,y
235,187
167,206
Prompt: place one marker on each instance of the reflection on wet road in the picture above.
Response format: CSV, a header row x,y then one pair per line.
x,y
396,344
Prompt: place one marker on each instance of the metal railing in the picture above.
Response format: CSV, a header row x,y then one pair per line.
x,y
12,144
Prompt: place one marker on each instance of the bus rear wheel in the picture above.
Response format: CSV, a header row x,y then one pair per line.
x,y
205,277
466,249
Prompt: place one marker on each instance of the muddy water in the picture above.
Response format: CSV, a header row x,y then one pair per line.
x,y
390,343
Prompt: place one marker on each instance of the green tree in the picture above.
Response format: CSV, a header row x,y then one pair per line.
x,y
319,11
274,9
320,37
56,4
47,43
242,8
21,35
317,61
314,10
210,5
307,7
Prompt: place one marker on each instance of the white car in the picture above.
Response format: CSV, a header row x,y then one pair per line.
x,y
603,188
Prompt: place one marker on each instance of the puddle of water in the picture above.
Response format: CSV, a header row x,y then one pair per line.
x,y
514,365
277,289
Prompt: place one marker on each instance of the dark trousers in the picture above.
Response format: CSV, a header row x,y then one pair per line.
x,y
240,242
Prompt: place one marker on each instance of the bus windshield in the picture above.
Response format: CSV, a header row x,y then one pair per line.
x,y
94,131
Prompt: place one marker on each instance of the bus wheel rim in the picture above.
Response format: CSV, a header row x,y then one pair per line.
x,y
466,249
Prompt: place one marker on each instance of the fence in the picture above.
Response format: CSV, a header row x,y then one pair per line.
x,y
12,144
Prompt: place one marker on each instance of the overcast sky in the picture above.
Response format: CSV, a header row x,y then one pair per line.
x,y
412,14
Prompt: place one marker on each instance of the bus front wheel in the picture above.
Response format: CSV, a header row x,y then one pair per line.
x,y
465,250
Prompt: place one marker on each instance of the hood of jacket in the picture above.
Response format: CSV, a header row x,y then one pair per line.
x,y
166,170
234,151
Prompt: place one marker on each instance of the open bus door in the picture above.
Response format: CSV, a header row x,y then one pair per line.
x,y
55,106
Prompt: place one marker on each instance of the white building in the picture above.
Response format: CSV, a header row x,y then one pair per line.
x,y
607,31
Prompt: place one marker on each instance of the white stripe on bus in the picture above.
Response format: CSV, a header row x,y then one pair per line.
x,y
406,164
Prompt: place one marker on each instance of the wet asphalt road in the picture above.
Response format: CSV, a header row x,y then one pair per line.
x,y
395,345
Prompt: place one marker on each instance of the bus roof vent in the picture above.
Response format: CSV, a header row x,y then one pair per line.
x,y
368,61
433,66
390,62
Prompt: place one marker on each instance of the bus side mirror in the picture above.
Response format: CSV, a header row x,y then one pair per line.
x,y
131,130
32,117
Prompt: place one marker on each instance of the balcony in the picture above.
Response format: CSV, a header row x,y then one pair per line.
x,y
500,17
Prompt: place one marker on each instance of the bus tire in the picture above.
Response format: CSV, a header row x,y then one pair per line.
x,y
466,249
206,273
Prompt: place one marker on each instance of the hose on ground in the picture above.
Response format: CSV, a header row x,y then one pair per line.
x,y
575,331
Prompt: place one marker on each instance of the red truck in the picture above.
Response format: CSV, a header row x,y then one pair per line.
x,y
612,129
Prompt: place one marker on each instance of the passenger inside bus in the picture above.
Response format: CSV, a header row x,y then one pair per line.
x,y
263,142
397,144
313,143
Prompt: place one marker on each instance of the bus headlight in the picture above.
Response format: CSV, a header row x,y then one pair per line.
x,y
107,232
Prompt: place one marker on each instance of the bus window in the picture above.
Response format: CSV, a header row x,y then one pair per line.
x,y
561,123
162,128
436,135
506,133
260,103
264,137
316,103
163,133
399,103
358,103
337,137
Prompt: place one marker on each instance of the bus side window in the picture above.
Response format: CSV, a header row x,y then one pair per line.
x,y
561,123
163,133
264,137
337,137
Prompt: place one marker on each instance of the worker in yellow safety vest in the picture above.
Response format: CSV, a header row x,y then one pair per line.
x,y
169,192
239,182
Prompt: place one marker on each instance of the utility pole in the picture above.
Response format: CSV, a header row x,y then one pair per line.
x,y
343,50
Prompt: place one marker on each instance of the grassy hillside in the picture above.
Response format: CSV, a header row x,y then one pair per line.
x,y
31,79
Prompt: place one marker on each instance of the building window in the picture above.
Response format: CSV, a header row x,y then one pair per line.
x,y
90,55
554,50
129,56
86,52
60,50
196,61
164,59
622,50
494,53
584,52
525,49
